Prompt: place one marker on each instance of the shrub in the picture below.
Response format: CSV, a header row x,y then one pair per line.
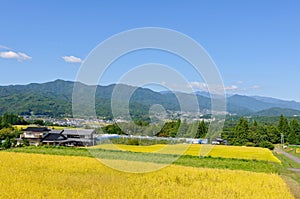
x,y
267,144
7,143
250,144
133,142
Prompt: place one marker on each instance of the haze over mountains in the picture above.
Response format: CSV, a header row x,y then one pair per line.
x,y
55,99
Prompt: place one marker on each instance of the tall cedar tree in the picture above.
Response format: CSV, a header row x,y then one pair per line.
x,y
202,130
293,137
283,126
242,130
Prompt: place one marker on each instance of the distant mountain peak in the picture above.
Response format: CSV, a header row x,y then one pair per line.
x,y
276,111
56,96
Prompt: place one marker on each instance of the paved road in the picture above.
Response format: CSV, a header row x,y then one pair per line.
x,y
295,159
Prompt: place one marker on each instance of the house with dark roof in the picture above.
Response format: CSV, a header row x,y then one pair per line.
x,y
52,138
34,134
67,137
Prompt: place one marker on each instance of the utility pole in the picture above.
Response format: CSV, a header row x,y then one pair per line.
x,y
282,139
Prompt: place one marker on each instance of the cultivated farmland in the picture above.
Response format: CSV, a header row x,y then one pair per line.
x,y
252,153
52,176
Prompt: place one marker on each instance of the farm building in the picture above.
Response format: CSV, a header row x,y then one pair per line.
x,y
34,134
67,137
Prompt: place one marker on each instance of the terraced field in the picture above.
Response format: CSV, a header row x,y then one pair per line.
x,y
52,176
252,153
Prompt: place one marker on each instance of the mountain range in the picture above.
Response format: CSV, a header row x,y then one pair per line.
x,y
55,99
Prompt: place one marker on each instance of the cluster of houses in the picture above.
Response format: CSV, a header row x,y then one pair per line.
x,y
66,137
86,137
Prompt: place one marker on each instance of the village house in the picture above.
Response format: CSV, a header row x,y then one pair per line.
x,y
66,137
33,134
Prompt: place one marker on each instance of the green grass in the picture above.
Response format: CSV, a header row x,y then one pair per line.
x,y
185,160
286,162
228,163
292,178
293,151
294,146
69,151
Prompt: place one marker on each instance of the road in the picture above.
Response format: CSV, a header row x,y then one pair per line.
x,y
295,159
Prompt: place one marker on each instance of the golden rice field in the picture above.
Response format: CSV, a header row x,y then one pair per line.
x,y
20,127
51,176
254,153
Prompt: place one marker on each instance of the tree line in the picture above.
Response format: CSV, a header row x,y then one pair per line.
x,y
174,128
8,134
262,135
242,133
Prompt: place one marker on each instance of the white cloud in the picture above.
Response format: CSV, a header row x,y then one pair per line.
x,y
234,88
255,87
9,55
5,47
231,88
72,59
23,56
213,88
14,55
198,85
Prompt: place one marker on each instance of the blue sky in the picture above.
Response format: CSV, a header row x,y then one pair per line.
x,y
255,44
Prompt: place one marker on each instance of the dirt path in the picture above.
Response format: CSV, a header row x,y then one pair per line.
x,y
293,169
294,158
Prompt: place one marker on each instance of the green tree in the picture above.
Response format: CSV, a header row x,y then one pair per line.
x,y
273,134
241,132
202,130
25,142
192,130
112,129
170,129
7,143
254,133
255,123
183,128
293,137
39,122
283,126
12,119
6,133
266,144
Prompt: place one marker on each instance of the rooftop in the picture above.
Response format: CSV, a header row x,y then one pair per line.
x,y
36,129
74,131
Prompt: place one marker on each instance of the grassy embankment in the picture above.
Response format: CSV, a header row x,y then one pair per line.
x,y
186,160
292,178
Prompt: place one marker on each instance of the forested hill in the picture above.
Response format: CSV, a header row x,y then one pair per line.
x,y
55,99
